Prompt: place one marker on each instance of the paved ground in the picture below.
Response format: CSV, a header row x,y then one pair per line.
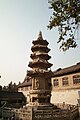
x,y
79,118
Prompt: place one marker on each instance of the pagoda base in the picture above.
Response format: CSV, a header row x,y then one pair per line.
x,y
54,113
51,112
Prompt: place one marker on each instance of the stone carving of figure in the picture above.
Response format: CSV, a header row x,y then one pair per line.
x,y
36,83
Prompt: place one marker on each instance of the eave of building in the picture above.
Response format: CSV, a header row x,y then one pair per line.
x,y
25,85
27,82
65,71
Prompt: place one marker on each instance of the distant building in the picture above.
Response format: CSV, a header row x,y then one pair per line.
x,y
12,99
25,86
66,85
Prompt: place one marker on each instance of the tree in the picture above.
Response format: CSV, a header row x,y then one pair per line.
x,y
15,87
11,87
0,88
66,16
4,88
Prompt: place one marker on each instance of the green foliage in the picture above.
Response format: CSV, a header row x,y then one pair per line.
x,y
66,16
11,87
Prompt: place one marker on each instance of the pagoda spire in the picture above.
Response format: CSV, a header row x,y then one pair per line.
x,y
40,35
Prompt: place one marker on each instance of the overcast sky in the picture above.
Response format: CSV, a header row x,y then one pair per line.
x,y
20,23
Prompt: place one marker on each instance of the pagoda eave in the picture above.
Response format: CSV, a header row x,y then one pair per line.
x,y
41,42
39,64
41,55
39,73
33,56
40,48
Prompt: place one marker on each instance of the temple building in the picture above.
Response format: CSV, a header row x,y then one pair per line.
x,y
12,99
66,85
25,87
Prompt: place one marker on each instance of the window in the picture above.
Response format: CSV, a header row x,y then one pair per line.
x,y
56,82
76,79
26,88
22,88
65,81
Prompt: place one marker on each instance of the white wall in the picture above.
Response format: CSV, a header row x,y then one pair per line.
x,y
68,93
67,96
25,91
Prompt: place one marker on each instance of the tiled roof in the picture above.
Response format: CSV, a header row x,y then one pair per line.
x,y
68,70
4,95
27,82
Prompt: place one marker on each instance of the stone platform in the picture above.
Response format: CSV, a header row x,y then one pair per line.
x,y
42,113
54,113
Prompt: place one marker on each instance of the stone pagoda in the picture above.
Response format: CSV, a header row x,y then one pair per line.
x,y
40,93
41,87
39,107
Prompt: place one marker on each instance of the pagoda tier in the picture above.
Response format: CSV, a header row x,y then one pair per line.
x,y
40,55
40,64
40,48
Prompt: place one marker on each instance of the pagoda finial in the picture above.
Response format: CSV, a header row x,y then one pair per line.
x,y
40,35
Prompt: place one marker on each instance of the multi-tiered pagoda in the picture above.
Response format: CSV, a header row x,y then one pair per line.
x,y
41,86
39,107
41,92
